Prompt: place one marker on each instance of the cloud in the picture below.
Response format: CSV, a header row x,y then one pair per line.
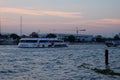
x,y
110,21
41,12
96,22
103,22
90,23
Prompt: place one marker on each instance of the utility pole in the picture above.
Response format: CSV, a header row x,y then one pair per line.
x,y
20,25
77,30
0,26
39,32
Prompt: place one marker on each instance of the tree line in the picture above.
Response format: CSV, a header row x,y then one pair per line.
x,y
70,38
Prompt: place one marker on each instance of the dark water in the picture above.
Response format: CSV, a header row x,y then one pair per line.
x,y
57,63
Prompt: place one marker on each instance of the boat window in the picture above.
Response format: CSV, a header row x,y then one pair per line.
x,y
58,41
55,41
29,41
22,40
33,41
43,41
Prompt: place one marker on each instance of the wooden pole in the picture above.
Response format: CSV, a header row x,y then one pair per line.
x,y
107,59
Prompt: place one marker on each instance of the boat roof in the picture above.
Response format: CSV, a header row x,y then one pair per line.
x,y
38,39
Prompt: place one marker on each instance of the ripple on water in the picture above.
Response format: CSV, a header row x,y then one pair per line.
x,y
71,63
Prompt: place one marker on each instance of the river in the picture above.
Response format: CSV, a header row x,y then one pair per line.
x,y
69,63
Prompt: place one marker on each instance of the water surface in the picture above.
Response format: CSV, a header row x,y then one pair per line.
x,y
57,63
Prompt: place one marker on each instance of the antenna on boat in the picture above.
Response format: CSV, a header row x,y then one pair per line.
x,y
20,25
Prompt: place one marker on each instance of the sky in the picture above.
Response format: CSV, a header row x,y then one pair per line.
x,y
97,17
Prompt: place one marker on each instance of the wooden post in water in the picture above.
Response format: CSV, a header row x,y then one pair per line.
x,y
106,59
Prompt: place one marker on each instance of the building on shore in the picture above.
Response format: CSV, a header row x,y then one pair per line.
x,y
6,40
78,37
119,35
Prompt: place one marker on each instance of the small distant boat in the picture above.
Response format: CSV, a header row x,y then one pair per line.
x,y
41,43
112,43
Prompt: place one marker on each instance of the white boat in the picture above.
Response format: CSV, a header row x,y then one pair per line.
x,y
41,43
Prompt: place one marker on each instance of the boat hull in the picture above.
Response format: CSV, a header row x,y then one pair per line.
x,y
40,43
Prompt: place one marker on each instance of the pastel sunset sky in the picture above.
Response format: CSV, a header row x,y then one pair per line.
x,y
61,16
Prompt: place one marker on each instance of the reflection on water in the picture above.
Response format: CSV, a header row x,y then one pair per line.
x,y
56,63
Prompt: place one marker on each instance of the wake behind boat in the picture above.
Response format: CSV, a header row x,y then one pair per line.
x,y
41,43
